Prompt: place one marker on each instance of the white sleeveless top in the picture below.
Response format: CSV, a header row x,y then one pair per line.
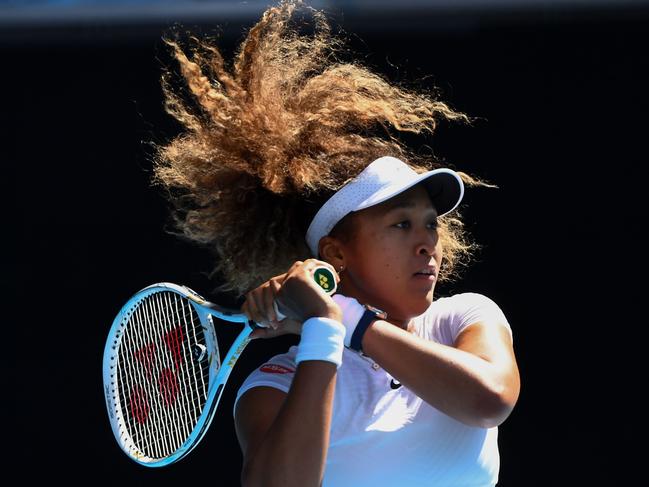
x,y
382,434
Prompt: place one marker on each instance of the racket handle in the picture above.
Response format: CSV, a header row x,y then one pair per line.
x,y
324,277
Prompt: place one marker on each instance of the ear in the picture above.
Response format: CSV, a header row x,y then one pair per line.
x,y
331,250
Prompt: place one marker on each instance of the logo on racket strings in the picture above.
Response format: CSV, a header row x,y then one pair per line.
x,y
156,364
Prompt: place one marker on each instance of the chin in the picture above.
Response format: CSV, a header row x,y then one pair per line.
x,y
421,308
416,307
405,305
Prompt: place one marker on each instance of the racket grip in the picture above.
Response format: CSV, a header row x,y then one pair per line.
x,y
324,277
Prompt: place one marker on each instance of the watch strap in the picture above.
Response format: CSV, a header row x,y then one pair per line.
x,y
366,320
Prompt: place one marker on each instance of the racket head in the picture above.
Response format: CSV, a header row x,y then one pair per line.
x,y
161,372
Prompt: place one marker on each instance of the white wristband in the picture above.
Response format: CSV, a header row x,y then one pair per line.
x,y
322,339
352,314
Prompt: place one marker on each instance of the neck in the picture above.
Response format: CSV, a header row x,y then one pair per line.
x,y
393,315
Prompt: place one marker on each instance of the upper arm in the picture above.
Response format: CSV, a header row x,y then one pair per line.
x,y
255,413
492,342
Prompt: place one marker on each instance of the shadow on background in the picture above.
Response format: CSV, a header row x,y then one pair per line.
x,y
562,99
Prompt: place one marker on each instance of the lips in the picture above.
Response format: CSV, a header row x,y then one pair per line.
x,y
429,272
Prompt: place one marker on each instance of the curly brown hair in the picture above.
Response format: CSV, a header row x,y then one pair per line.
x,y
267,140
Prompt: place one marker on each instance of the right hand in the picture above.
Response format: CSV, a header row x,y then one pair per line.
x,y
298,297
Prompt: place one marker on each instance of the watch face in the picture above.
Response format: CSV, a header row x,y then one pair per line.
x,y
379,313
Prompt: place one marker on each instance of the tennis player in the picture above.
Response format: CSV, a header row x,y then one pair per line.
x,y
290,160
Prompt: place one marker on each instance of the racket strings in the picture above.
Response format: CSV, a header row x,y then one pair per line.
x,y
166,423
162,388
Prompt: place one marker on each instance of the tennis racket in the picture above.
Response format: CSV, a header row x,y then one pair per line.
x,y
163,374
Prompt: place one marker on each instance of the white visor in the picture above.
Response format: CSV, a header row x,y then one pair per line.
x,y
383,179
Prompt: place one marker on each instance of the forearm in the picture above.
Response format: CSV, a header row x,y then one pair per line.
x,y
294,450
460,384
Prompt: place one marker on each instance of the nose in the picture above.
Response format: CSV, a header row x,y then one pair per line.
x,y
426,250
426,242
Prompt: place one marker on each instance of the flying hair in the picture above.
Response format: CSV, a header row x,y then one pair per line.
x,y
267,139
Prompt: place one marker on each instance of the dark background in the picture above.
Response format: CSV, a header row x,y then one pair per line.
x,y
562,97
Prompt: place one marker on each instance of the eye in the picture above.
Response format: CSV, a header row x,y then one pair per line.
x,y
433,225
404,224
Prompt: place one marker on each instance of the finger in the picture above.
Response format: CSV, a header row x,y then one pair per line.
x,y
266,333
268,303
280,315
280,278
246,310
246,306
276,283
298,264
274,287
260,333
255,313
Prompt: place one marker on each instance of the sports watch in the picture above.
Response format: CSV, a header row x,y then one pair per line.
x,y
370,315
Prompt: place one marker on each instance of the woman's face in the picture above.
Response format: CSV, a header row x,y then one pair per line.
x,y
392,260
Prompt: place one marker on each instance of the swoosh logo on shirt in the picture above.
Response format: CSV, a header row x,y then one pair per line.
x,y
394,384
